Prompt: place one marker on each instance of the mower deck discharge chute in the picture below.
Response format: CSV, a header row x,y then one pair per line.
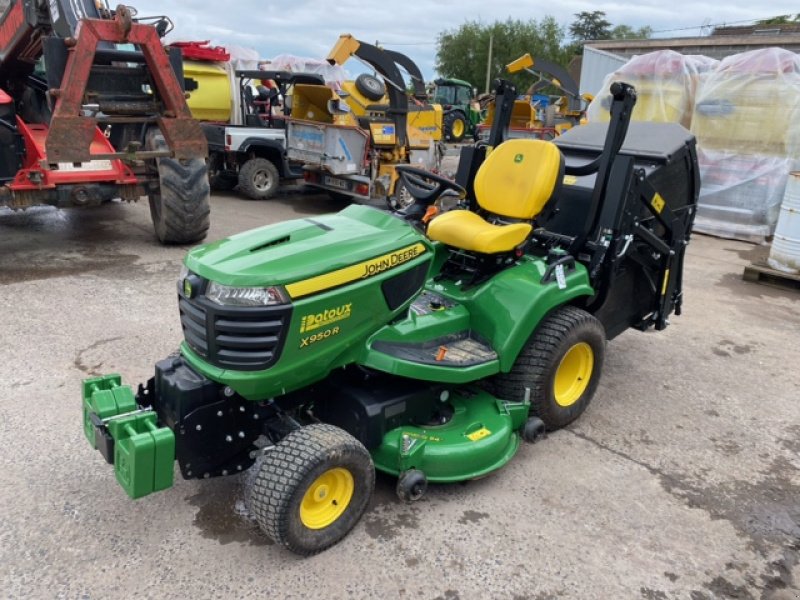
x,y
424,343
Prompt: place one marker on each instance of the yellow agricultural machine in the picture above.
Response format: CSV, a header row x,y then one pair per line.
x,y
541,120
351,140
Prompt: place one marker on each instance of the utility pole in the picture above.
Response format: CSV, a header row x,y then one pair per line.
x,y
489,62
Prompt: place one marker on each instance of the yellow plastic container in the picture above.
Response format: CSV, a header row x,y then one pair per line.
x,y
212,100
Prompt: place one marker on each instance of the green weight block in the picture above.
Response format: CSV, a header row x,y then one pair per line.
x,y
143,454
163,468
134,453
105,397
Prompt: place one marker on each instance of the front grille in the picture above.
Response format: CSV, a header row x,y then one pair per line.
x,y
245,338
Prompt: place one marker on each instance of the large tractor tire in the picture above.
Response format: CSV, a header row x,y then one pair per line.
x,y
259,179
312,488
560,364
455,126
180,209
370,87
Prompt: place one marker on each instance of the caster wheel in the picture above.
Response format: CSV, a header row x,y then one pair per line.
x,y
412,485
533,430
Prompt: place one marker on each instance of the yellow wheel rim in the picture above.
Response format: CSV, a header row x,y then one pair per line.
x,y
458,128
327,498
573,374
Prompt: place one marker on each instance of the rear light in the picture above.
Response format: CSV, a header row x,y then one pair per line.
x,y
228,141
362,189
310,176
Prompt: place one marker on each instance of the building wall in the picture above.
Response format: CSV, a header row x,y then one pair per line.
x,y
715,46
596,65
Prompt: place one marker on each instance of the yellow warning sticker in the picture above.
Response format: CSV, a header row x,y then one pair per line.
x,y
570,180
479,434
658,203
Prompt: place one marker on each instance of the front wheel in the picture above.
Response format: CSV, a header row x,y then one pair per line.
x,y
180,207
560,364
312,488
259,179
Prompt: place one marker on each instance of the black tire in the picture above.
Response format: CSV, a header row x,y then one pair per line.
x,y
455,121
180,209
259,179
411,485
288,471
370,87
536,366
222,183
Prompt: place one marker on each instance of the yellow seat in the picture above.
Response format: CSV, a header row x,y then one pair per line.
x,y
515,182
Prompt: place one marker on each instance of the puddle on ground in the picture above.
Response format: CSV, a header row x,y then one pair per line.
x,y
222,514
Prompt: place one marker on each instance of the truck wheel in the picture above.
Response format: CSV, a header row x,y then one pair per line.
x,y
222,183
455,126
258,179
312,488
180,208
370,87
561,364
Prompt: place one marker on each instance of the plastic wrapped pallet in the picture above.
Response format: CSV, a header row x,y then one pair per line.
x,y
665,83
741,194
751,101
333,75
746,123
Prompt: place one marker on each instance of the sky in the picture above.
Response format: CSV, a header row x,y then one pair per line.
x,y
310,28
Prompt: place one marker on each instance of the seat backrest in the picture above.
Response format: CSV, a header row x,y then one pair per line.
x,y
518,178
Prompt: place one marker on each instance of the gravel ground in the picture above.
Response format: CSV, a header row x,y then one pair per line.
x,y
680,481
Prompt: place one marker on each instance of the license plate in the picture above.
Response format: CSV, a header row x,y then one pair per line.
x,y
337,183
92,165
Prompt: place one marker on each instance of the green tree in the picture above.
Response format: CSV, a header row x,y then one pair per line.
x,y
626,32
594,26
590,26
780,20
463,53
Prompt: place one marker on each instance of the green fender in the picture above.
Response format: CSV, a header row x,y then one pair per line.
x,y
507,309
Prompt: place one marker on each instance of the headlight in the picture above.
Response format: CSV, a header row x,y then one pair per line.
x,y
244,296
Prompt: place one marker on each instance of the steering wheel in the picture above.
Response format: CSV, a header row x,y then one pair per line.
x,y
425,187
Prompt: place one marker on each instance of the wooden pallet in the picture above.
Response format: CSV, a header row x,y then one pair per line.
x,y
761,273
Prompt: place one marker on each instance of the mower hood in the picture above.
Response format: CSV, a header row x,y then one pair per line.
x,y
300,249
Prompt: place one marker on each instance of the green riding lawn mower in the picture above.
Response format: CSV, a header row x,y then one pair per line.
x,y
425,343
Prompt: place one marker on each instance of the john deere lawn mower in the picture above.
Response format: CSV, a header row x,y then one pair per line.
x,y
423,345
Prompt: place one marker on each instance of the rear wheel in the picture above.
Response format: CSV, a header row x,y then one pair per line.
x,y
222,183
258,179
560,364
312,488
180,208
455,126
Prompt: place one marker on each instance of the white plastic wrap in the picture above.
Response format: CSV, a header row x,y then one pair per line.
x,y
333,75
243,59
665,83
741,194
751,103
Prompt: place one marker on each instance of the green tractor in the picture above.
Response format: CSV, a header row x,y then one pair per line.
x,y
460,119
321,349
